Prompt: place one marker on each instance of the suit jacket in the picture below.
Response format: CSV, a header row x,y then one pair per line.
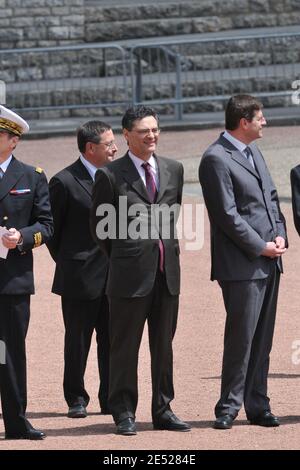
x,y
244,211
133,262
81,268
295,183
29,212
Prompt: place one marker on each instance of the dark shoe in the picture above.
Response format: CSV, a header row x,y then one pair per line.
x,y
266,419
77,411
126,427
171,423
224,422
31,434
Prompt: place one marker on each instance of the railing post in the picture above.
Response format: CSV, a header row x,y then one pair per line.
x,y
138,83
178,92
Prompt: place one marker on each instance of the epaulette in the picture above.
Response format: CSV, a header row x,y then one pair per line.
x,y
39,170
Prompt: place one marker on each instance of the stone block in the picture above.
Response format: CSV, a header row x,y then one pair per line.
x,y
58,32
10,34
26,74
6,13
38,33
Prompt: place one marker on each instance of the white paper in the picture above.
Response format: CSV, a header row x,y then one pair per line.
x,y
3,249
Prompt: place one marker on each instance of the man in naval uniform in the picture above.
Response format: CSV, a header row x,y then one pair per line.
x,y
26,221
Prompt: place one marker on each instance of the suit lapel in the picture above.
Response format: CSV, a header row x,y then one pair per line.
x,y
131,175
237,156
12,175
259,163
82,176
164,176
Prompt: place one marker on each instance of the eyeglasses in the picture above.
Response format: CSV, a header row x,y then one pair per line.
x,y
145,132
109,145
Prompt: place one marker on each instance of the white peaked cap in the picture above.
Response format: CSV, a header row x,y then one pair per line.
x,y
12,122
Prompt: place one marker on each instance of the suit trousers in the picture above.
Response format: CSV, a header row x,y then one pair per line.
x,y
251,310
81,318
14,321
127,320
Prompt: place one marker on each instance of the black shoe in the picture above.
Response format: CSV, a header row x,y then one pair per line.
x,y
77,411
266,419
171,423
126,427
224,422
31,434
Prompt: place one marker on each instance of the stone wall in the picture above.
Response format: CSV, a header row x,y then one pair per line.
x,y
42,23
112,23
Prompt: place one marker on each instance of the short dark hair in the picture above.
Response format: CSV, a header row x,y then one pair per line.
x,y
91,131
238,107
135,114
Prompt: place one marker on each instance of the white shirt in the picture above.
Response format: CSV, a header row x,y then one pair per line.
x,y
88,165
5,164
138,162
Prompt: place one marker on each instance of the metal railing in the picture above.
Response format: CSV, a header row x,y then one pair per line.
x,y
67,78
181,76
201,74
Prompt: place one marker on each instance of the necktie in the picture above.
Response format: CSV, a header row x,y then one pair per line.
x,y
150,182
248,153
1,173
152,192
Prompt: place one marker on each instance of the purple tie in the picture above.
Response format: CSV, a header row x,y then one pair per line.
x,y
150,182
152,192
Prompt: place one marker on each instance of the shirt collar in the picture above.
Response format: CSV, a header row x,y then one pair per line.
x,y
5,164
139,162
235,142
89,166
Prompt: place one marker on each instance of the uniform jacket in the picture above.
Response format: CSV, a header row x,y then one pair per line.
x,y
243,209
81,268
133,262
24,205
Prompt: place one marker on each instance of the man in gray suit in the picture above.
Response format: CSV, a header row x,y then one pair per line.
x,y
248,237
295,184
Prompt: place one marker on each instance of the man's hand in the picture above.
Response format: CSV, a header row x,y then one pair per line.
x,y
280,242
11,238
274,250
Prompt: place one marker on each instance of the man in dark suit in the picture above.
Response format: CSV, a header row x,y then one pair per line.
x,y
144,274
248,237
81,268
295,184
25,213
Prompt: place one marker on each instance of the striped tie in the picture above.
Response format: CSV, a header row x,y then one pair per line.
x,y
1,173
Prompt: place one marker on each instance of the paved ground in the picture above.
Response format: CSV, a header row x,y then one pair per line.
x,y
198,342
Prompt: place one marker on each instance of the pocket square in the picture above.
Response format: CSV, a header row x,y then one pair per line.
x,y
16,192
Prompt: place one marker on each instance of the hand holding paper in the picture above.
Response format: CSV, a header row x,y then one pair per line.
x,y
3,249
